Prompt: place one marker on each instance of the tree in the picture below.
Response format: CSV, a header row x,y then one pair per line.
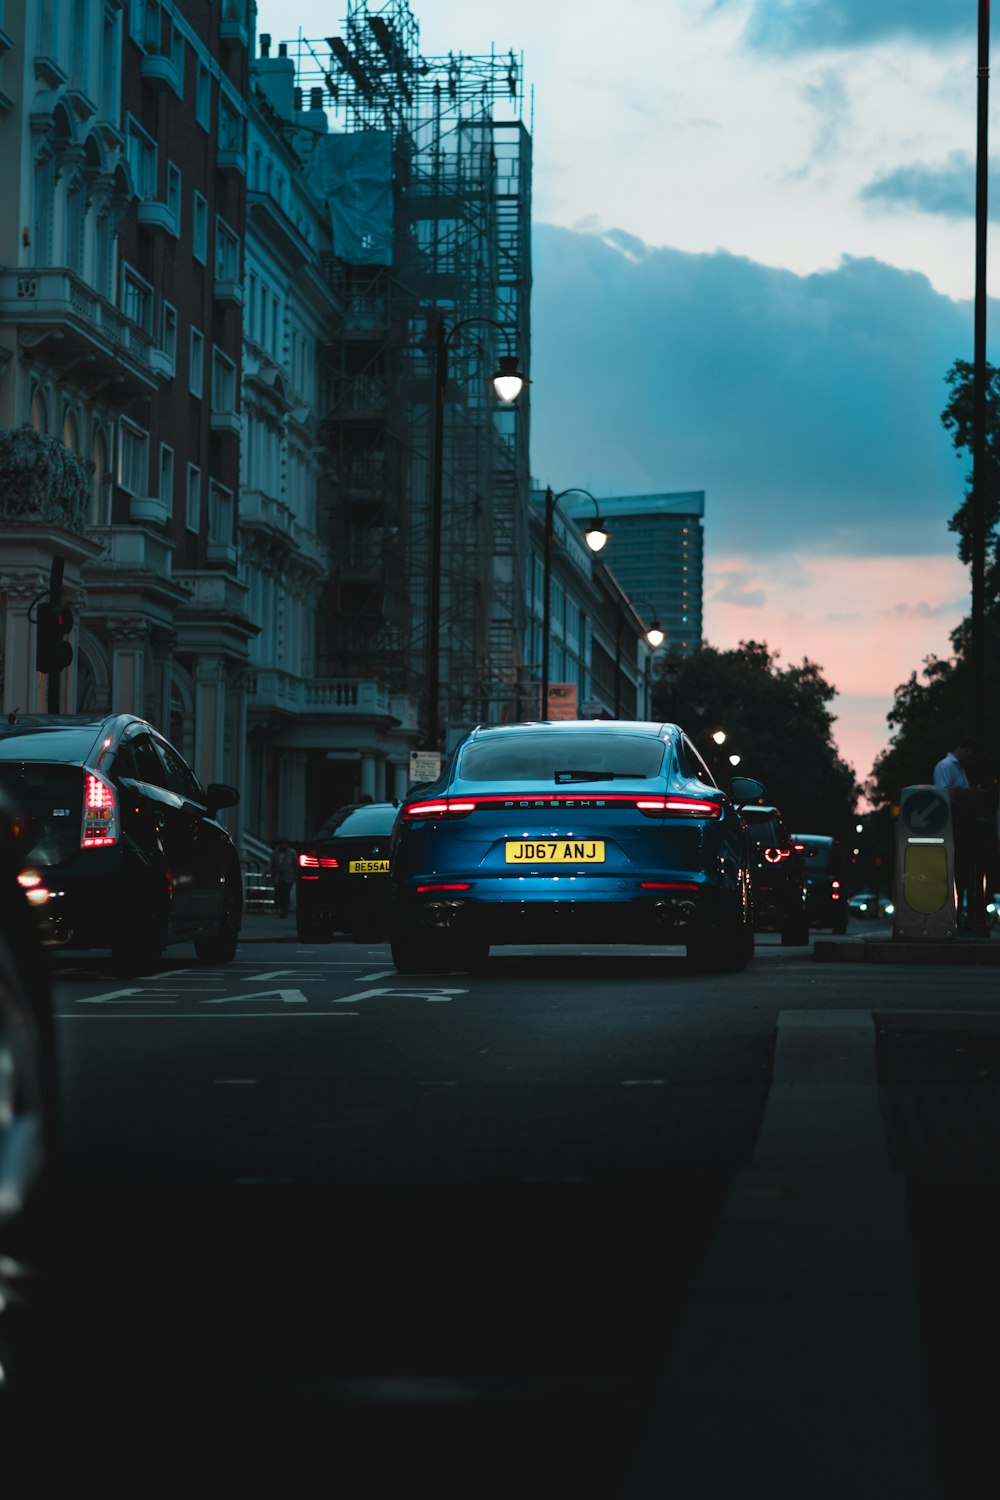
x,y
931,710
775,718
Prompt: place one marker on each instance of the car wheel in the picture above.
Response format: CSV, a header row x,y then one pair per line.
x,y
221,949
725,951
795,934
416,955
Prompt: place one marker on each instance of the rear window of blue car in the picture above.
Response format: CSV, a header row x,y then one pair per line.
x,y
544,756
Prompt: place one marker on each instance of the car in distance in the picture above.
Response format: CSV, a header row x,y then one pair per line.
x,y
869,908
126,844
779,880
27,1102
593,831
825,870
342,878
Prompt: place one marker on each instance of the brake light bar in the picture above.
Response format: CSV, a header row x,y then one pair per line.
x,y
318,862
459,885
667,885
100,813
654,807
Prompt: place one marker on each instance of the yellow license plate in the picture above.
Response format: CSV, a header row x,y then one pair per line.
x,y
555,852
367,866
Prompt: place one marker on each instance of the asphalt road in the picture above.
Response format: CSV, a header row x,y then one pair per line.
x,y
438,1231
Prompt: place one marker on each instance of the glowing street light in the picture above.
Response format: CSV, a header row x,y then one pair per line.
x,y
719,736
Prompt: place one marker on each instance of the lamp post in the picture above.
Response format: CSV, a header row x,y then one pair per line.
x,y
508,382
977,617
655,635
595,538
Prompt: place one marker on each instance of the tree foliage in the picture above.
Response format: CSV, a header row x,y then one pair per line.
x,y
932,709
776,718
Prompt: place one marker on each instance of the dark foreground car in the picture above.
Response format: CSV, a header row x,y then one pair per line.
x,y
27,1099
581,831
826,884
125,840
779,879
342,882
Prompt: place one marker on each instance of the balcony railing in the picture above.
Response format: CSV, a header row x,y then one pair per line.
x,y
354,697
55,299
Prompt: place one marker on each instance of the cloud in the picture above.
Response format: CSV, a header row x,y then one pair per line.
x,y
946,610
806,407
789,26
733,588
947,188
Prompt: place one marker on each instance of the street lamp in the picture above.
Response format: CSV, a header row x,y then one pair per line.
x,y
734,760
654,636
595,538
719,736
508,382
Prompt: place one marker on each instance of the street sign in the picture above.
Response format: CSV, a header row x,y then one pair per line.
x,y
925,810
562,701
425,765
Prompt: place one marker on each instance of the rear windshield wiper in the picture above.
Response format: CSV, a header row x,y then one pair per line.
x,y
591,775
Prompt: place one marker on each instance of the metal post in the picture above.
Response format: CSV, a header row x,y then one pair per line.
x,y
550,509
618,660
437,482
977,633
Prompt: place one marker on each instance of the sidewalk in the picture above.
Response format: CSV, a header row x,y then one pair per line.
x,y
882,948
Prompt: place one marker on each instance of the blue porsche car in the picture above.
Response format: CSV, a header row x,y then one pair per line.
x,y
578,831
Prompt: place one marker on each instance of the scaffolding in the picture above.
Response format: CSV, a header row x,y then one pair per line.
x,y
461,164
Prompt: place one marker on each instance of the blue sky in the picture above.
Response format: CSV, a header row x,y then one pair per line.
x,y
754,265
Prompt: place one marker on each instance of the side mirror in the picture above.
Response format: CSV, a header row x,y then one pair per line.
x,y
220,795
744,789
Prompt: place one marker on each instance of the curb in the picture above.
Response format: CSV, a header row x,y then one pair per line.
x,y
886,951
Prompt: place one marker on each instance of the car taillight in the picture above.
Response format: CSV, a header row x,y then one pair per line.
x,y
441,807
455,885
835,884
775,856
318,862
678,807
100,813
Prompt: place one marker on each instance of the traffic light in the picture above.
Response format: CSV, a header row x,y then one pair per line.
x,y
53,623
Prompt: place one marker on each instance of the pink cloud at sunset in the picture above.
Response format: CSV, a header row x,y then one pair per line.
x,y
868,622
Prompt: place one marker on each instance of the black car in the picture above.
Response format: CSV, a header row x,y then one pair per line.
x,y
342,881
826,882
27,1099
779,879
566,832
126,846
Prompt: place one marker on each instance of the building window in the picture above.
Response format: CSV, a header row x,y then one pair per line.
x,y
192,499
174,194
177,57
137,299
167,477
223,382
199,229
227,253
196,369
141,152
100,491
203,97
39,412
109,69
168,333
145,24
230,128
220,514
133,458
70,432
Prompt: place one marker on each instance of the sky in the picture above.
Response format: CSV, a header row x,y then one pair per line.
x,y
753,266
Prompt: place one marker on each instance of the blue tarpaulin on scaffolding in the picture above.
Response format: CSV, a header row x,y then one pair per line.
x,y
353,173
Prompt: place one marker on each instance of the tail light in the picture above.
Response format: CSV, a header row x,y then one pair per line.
x,y
678,807
318,862
100,812
653,807
775,856
441,807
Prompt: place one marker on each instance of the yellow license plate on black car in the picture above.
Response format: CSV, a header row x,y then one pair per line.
x,y
367,866
555,852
